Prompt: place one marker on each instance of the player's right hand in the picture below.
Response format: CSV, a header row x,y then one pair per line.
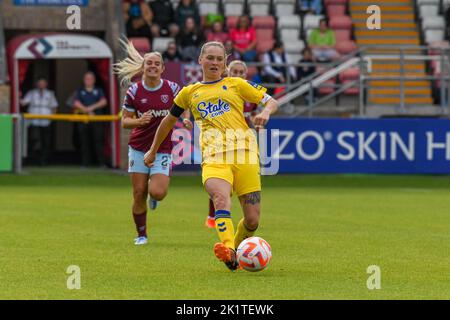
x,y
145,119
149,158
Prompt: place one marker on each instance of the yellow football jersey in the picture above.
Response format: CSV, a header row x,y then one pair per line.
x,y
217,108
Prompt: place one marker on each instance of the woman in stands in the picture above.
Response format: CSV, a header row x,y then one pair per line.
x,y
244,39
228,165
146,103
236,68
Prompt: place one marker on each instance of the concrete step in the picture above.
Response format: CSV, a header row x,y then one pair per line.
x,y
396,83
387,33
396,100
389,41
396,91
386,16
362,24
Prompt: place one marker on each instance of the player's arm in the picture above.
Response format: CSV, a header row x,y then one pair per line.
x,y
98,105
129,120
270,107
163,130
186,116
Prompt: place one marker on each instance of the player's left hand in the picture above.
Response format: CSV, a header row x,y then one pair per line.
x,y
188,124
149,158
261,120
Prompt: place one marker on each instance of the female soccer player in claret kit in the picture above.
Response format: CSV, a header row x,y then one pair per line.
x,y
146,103
236,68
217,106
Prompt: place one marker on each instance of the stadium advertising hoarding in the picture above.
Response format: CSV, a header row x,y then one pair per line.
x,y
82,3
395,146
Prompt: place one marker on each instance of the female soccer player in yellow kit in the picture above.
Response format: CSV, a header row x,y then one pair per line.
x,y
229,149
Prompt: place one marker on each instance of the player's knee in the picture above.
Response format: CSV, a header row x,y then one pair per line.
x,y
158,194
140,194
252,223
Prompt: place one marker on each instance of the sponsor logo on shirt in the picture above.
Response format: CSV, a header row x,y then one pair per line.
x,y
257,86
155,113
213,110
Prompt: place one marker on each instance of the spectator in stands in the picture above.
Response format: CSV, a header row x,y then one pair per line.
x,y
190,40
163,20
217,33
40,101
138,18
231,52
244,39
278,74
90,100
186,9
447,21
172,54
308,68
322,42
311,6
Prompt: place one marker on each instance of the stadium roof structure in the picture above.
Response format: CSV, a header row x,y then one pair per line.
x,y
23,49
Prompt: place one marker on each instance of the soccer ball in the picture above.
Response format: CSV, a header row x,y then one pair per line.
x,y
254,254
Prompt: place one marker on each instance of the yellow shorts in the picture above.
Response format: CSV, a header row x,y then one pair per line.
x,y
244,176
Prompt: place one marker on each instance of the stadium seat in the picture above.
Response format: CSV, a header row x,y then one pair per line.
x,y
294,47
289,35
347,76
259,9
142,45
232,22
264,22
264,46
284,9
233,7
346,47
433,35
333,2
294,57
311,21
208,6
341,22
290,22
160,43
335,10
264,34
437,22
428,10
342,35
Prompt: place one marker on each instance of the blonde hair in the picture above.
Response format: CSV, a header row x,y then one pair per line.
x,y
237,62
133,64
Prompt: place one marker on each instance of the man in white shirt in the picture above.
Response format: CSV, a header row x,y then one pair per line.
x,y
277,74
40,101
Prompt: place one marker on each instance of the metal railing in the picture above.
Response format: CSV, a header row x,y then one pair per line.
x,y
2,50
363,59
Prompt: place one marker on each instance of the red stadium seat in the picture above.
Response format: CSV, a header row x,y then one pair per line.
x,y
346,47
264,22
142,45
349,74
327,87
231,22
264,45
332,2
264,34
341,22
342,35
335,10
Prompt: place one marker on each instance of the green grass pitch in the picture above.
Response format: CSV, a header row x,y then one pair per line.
x,y
324,232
